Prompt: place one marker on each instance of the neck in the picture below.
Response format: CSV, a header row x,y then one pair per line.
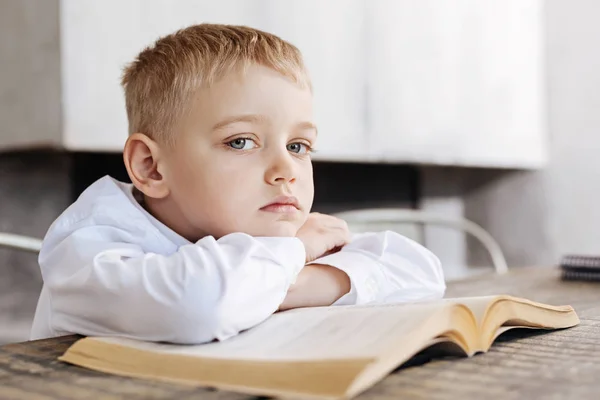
x,y
165,211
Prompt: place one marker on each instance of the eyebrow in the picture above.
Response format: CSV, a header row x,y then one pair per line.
x,y
252,118
256,119
307,125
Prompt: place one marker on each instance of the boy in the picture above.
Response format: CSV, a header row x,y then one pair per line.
x,y
214,235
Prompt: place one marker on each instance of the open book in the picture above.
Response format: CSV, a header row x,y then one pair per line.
x,y
326,352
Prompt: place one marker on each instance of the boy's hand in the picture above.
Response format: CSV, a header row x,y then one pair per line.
x,y
323,234
317,285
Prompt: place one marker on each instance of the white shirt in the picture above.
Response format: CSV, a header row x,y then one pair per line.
x,y
112,269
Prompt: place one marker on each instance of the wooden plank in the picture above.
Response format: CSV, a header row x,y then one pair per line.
x,y
554,365
557,365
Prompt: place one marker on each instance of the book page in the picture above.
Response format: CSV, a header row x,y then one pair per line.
x,y
509,312
478,305
313,333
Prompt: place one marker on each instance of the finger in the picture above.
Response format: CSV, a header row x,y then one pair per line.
x,y
333,251
341,228
332,221
340,237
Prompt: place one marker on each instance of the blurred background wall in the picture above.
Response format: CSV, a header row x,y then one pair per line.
x,y
539,216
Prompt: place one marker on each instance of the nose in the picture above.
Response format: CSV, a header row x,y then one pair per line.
x,y
281,169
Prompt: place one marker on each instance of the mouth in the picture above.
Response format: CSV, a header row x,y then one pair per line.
x,y
282,205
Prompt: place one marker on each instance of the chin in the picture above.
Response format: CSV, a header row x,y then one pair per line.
x,y
279,229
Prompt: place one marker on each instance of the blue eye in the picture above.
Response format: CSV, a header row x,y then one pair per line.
x,y
242,144
298,148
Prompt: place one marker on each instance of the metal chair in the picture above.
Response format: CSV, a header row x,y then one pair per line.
x,y
20,242
366,217
18,329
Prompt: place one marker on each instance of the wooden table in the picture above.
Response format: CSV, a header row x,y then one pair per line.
x,y
557,365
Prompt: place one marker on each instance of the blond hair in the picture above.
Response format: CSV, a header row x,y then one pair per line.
x,y
160,82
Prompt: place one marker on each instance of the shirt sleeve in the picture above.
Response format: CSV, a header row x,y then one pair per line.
x,y
387,267
212,289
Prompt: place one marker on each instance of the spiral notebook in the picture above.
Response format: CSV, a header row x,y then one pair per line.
x,y
580,268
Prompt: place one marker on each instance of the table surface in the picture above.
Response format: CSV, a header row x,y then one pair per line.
x,y
556,365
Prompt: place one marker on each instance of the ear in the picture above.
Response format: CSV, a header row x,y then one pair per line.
x,y
144,162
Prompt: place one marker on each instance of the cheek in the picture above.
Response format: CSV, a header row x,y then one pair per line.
x,y
227,187
229,179
190,178
307,184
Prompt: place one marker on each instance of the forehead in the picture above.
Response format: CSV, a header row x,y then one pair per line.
x,y
256,90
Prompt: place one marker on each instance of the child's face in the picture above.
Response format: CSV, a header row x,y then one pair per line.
x,y
244,145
